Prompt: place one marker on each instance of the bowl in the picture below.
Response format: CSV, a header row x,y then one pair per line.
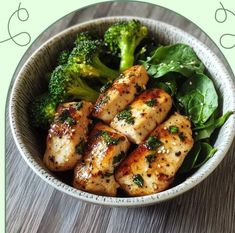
x,y
30,82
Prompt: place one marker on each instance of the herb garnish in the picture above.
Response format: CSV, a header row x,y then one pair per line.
x,y
127,116
182,136
70,121
173,129
150,158
151,102
80,147
105,87
153,143
65,117
79,105
104,100
138,180
108,139
118,158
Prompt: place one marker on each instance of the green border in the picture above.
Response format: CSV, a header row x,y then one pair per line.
x,y
84,7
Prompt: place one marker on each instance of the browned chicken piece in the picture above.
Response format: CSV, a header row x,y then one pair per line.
x,y
66,136
105,150
121,93
152,166
142,116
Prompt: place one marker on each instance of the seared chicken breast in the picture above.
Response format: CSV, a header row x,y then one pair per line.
x,y
104,151
121,93
141,117
66,136
152,166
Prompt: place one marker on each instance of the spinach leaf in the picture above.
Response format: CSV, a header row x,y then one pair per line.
x,y
178,58
199,154
168,86
205,131
208,123
199,98
191,158
167,83
207,151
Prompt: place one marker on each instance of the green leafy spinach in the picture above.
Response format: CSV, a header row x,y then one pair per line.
x,y
199,98
199,154
178,58
206,130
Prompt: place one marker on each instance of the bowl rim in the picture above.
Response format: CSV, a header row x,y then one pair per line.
x,y
181,188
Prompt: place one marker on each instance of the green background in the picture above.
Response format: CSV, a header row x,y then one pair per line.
x,y
43,13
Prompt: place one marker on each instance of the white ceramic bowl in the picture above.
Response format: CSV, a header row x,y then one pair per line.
x,y
30,82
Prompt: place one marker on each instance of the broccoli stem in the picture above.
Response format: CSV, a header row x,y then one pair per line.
x,y
127,57
104,70
83,91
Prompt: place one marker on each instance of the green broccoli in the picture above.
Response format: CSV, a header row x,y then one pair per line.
x,y
83,36
42,111
66,84
122,38
87,52
63,57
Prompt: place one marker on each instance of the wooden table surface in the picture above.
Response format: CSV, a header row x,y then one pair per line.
x,y
34,206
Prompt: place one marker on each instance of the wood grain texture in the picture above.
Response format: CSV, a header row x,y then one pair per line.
x,y
34,206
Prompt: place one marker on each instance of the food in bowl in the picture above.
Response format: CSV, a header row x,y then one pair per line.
x,y
127,113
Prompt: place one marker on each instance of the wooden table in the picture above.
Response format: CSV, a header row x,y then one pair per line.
x,y
34,206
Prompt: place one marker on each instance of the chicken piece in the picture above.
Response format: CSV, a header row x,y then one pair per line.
x,y
105,150
152,166
141,117
67,135
121,93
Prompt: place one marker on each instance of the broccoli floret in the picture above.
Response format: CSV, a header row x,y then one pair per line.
x,y
83,36
66,84
42,111
87,52
123,38
63,57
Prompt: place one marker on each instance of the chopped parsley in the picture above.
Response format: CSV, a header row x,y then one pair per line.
x,y
65,117
80,147
108,139
150,158
104,100
79,105
70,121
138,180
173,129
153,143
105,87
117,159
182,136
127,116
151,102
